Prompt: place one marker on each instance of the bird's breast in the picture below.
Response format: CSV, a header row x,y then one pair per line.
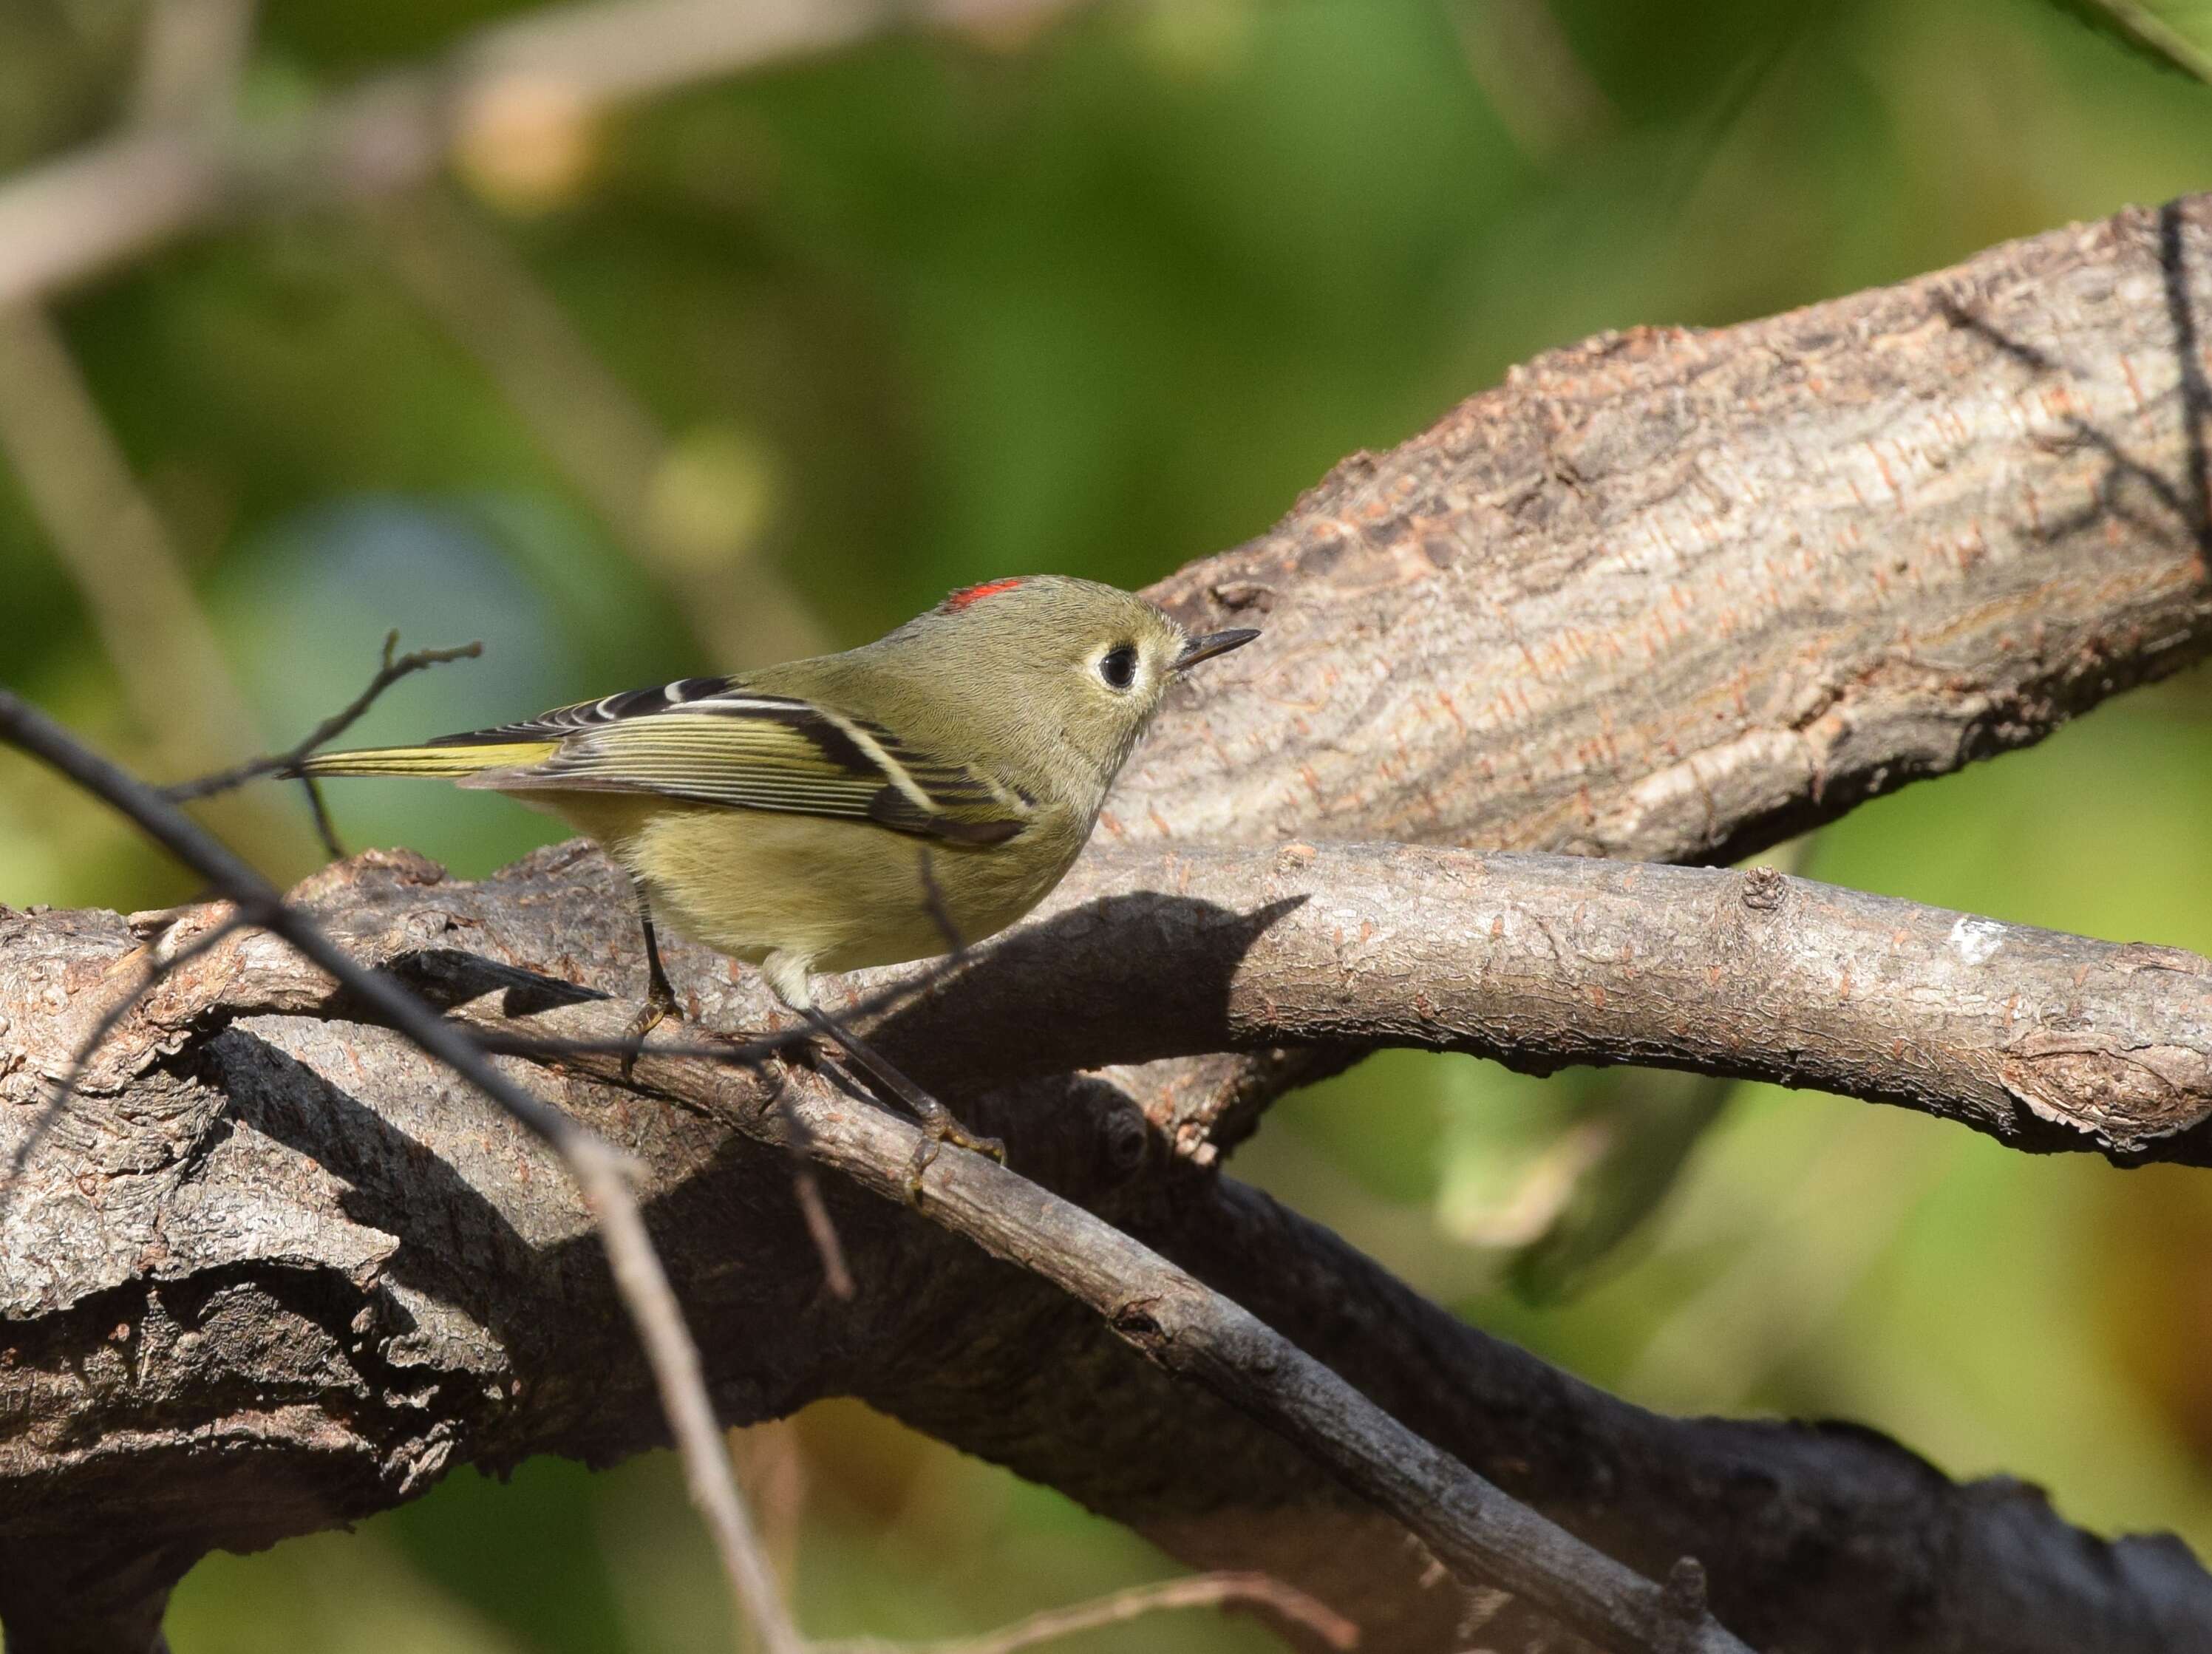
x,y
843,894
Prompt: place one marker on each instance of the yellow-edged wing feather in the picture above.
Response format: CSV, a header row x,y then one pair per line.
x,y
711,741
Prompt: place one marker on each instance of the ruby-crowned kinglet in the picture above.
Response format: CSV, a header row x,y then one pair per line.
x,y
816,815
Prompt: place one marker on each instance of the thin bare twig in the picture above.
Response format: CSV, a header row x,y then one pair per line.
x,y
683,1385
1485,1537
600,1170
1117,1608
288,763
821,1228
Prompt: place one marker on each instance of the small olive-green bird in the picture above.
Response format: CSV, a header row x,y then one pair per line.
x,y
815,816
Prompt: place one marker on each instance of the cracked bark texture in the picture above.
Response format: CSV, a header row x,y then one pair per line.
x,y
1666,595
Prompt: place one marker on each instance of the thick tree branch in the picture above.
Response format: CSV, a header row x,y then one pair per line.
x,y
240,1081
1675,595
2045,1040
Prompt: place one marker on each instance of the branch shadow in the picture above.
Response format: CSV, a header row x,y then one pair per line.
x,y
2195,395
2187,499
447,977
1090,977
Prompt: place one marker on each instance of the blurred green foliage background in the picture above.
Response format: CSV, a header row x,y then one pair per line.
x,y
776,361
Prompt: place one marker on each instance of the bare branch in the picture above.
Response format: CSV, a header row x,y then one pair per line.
x,y
683,1384
273,1090
389,672
1676,595
288,763
2044,1040
1481,1537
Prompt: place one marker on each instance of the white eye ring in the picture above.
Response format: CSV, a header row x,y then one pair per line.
x,y
1117,667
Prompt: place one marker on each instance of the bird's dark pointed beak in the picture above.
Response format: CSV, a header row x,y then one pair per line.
x,y
1214,643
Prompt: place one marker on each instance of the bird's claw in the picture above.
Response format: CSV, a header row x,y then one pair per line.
x,y
659,1006
937,1131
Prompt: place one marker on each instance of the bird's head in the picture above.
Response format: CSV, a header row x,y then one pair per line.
x,y
1068,660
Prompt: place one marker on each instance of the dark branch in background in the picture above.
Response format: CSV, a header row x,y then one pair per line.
x,y
288,763
601,1172
1815,1537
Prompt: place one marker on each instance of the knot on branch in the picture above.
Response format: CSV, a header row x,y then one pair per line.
x,y
1682,1603
1763,888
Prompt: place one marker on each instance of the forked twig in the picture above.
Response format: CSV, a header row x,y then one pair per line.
x,y
287,763
681,1382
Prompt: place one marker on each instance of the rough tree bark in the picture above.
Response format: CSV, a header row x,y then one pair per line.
x,y
1667,595
2044,1040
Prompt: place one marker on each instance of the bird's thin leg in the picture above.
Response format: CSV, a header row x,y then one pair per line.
x,y
939,1124
660,997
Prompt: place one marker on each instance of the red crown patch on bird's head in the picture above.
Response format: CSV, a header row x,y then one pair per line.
x,y
968,595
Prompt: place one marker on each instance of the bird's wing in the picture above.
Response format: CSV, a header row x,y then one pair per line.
x,y
711,741
562,721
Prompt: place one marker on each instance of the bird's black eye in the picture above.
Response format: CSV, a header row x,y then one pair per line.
x,y
1118,666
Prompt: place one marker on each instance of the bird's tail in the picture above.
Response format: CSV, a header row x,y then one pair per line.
x,y
449,761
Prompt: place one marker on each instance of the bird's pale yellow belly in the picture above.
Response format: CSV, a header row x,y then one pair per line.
x,y
829,894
